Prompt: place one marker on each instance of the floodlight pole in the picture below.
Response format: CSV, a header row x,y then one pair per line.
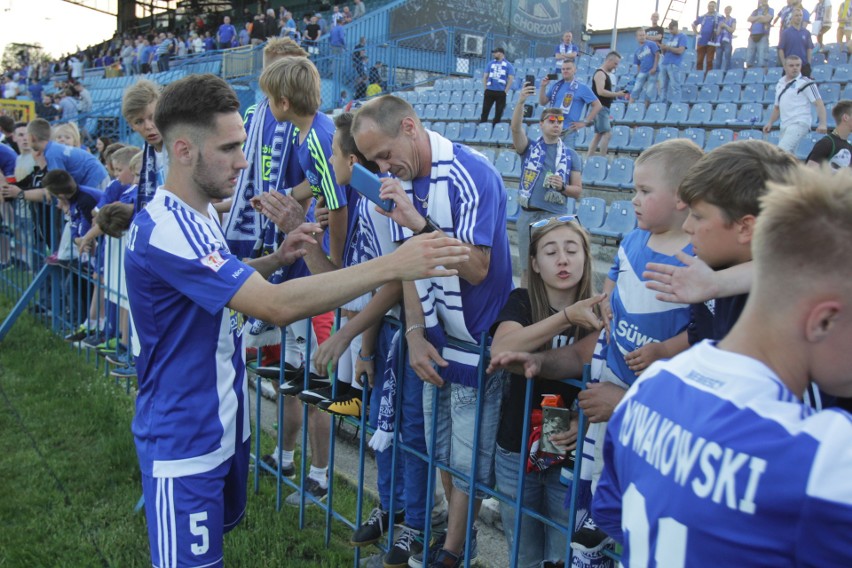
x,y
614,40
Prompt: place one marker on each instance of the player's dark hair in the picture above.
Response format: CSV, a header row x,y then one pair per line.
x,y
194,101
60,183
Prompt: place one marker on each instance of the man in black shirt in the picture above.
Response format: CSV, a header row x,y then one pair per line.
x,y
655,32
602,88
834,148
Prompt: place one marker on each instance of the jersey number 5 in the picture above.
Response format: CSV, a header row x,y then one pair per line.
x,y
198,529
670,550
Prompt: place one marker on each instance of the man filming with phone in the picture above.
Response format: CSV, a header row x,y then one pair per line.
x,y
602,83
572,97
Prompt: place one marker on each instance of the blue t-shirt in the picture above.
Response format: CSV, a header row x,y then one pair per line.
x,y
83,167
209,44
759,27
337,37
498,73
572,97
80,209
129,195
478,207
707,29
676,40
645,56
191,410
112,193
710,460
533,181
313,154
227,33
8,157
638,317
796,42
564,49
726,36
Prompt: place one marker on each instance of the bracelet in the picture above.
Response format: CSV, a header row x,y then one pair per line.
x,y
413,327
366,358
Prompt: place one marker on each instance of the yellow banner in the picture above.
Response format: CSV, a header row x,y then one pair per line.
x,y
21,111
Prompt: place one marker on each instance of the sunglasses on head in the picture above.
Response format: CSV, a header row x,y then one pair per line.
x,y
544,222
553,119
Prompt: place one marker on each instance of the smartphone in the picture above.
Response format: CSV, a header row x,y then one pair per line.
x,y
530,80
552,76
554,419
368,184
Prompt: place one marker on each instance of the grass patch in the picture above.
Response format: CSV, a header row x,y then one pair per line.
x,y
71,479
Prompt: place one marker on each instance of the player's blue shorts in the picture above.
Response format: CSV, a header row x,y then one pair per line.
x,y
188,516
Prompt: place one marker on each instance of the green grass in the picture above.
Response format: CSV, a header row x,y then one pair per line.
x,y
71,479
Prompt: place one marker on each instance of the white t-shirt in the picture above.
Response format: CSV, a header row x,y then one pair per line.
x,y
795,100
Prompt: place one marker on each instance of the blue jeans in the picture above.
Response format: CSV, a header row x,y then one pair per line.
x,y
384,460
455,428
671,83
759,48
544,494
724,61
644,86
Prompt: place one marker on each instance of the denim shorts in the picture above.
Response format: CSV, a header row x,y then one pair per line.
x,y
602,121
454,434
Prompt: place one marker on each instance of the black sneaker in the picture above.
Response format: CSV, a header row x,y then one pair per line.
x,y
315,396
288,471
295,386
590,538
374,528
91,341
313,488
408,543
340,397
79,335
437,548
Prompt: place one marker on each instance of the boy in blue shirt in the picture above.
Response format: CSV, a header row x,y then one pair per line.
x,y
646,58
673,49
497,81
83,166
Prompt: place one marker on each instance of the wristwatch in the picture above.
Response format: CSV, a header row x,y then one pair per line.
x,y
429,227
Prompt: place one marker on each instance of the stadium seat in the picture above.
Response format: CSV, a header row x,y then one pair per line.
x,y
773,137
806,144
717,137
501,134
616,111
830,93
753,76
439,127
821,73
482,133
505,162
750,114
694,134
847,91
829,120
534,131
620,174
444,97
750,135
419,109
665,133
699,115
752,94
433,97
734,77
769,95
456,98
837,59
677,114
714,77
620,138
834,47
773,74
454,112
453,131
489,154
620,220
468,97
469,112
642,138
430,112
513,206
583,138
708,94
694,78
594,171
729,94
818,58
635,113
591,211
442,110
656,114
725,114
688,94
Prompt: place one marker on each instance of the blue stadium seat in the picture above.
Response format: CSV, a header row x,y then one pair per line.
x,y
836,59
821,73
714,77
642,138
429,112
773,137
818,58
468,97
806,144
505,163
752,94
419,109
620,138
620,220
699,114
439,127
847,91
454,111
834,47
750,114
689,94
830,93
773,74
444,97
725,114
750,135
489,154
591,211
677,114
583,138
469,112
442,110
453,131
481,133
708,94
734,77
440,84
594,171
729,94
513,207
656,114
829,120
769,95
717,137
501,134
665,133
433,97
616,111
635,113
620,175
753,76
534,131
694,134
694,78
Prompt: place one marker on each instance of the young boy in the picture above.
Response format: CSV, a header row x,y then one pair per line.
x,y
80,200
834,147
642,329
759,477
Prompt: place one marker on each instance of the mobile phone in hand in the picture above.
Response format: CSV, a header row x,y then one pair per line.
x,y
530,80
552,76
369,185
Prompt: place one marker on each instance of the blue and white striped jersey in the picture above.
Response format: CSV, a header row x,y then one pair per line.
x,y
192,389
710,460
